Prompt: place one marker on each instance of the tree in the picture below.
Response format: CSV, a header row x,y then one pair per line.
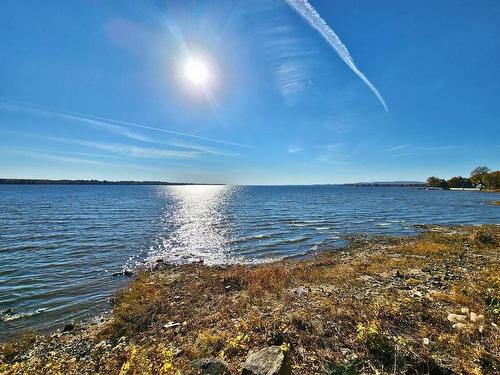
x,y
433,181
437,182
443,184
491,180
495,176
459,182
477,174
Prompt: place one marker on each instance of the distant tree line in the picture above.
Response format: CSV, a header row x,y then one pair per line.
x,y
480,176
26,181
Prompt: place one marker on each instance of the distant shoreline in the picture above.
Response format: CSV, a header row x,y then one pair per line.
x,y
34,181
22,181
388,184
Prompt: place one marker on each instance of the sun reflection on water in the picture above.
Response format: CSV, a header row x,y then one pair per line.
x,y
195,224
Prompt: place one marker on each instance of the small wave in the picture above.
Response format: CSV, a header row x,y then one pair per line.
x,y
384,224
295,240
257,237
9,315
291,241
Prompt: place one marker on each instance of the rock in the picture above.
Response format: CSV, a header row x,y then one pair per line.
x,y
163,265
484,238
101,346
268,361
69,327
128,272
8,311
120,345
476,318
459,326
232,284
416,294
397,274
125,272
171,325
209,366
348,354
122,340
300,290
456,318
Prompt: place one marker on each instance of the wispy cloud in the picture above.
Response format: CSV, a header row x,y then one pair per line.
x,y
290,78
128,150
109,124
396,148
286,53
60,157
306,10
342,122
295,149
333,153
198,147
411,150
45,112
125,132
438,148
51,156
117,129
287,59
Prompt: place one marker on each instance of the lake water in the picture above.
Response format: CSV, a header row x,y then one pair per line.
x,y
60,245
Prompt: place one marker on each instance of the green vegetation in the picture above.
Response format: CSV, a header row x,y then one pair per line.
x,y
437,182
381,305
481,177
478,173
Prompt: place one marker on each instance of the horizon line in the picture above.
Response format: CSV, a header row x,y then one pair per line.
x,y
61,181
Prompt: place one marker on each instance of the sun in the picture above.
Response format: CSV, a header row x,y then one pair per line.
x,y
197,72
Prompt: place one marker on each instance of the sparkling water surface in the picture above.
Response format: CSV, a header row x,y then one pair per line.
x,y
60,244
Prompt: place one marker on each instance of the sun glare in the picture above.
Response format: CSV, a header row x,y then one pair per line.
x,y
197,72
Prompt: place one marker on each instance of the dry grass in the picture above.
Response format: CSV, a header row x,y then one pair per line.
x,y
380,305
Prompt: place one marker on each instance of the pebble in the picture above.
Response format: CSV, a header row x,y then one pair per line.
x,y
459,326
476,318
456,318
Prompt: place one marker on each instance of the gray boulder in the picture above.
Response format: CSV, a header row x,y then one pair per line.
x,y
268,361
209,366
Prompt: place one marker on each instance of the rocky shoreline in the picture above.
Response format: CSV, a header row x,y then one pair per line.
x,y
426,304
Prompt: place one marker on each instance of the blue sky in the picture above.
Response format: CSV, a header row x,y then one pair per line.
x,y
99,89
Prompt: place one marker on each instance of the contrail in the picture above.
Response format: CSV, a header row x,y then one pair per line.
x,y
110,122
306,10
